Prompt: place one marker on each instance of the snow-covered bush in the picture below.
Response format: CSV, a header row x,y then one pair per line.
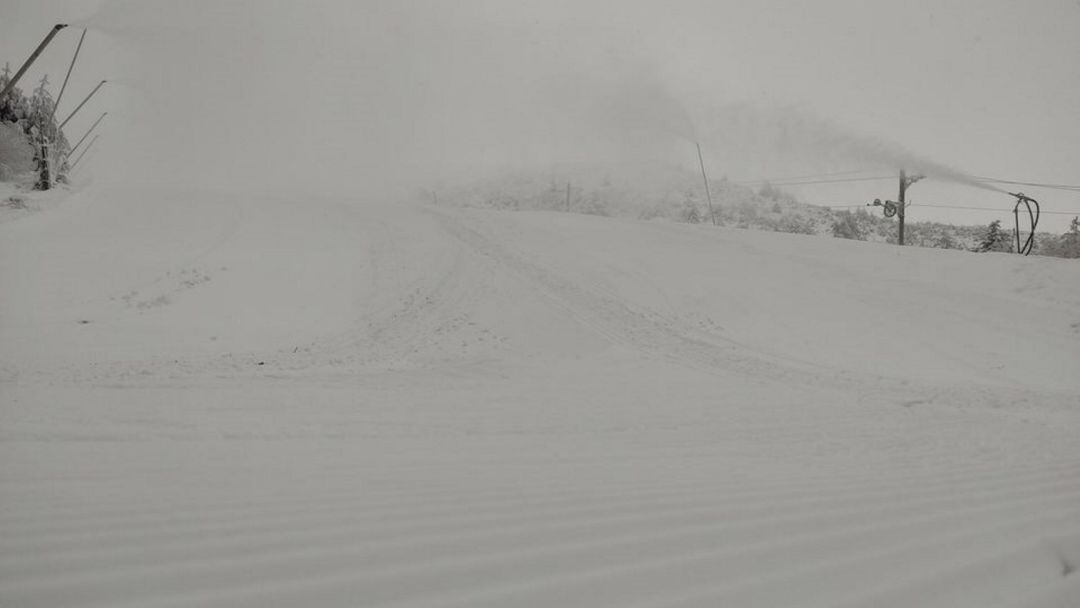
x,y
16,154
845,226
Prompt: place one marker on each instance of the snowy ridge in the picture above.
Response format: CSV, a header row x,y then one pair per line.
x,y
229,401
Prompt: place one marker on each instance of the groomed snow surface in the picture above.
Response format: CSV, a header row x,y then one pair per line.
x,y
213,400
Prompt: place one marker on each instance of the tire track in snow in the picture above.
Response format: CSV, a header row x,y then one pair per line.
x,y
615,318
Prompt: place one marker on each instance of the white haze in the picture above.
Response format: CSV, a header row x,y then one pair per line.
x,y
351,97
359,97
378,96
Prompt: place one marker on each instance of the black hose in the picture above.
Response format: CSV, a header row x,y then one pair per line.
x,y
1033,217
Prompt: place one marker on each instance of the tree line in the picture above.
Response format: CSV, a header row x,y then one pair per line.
x,y
675,195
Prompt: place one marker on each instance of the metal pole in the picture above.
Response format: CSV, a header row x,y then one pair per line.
x,y
81,105
48,38
90,156
1016,222
90,145
708,194
70,67
88,131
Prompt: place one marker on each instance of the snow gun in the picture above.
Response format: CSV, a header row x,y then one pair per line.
x,y
1033,220
33,56
889,207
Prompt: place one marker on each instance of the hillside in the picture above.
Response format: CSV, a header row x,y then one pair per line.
x,y
655,191
213,399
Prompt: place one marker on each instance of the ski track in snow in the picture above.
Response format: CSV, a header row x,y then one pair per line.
x,y
337,404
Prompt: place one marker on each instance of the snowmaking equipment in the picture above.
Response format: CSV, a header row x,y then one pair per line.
x,y
87,134
1032,207
90,145
889,207
896,208
79,107
33,56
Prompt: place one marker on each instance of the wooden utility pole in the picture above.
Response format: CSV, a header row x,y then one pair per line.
x,y
900,207
905,182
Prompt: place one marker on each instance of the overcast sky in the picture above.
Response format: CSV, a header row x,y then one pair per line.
x,y
361,96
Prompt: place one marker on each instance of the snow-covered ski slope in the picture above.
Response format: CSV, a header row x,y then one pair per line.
x,y
220,400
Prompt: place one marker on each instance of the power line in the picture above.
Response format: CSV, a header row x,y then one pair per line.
x,y
1033,184
836,181
819,178
828,181
800,177
971,208
827,178
987,208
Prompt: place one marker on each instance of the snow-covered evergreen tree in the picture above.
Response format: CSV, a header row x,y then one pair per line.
x,y
995,238
14,106
50,145
1069,243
